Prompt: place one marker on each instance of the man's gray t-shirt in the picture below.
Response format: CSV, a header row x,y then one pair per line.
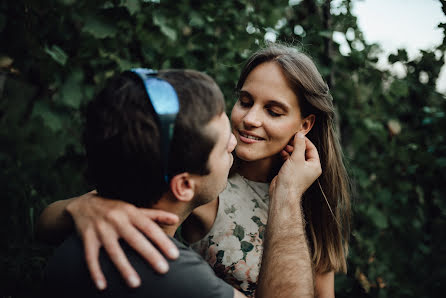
x,y
67,275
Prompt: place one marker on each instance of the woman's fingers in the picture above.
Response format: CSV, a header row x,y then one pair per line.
x,y
289,149
312,158
101,222
146,249
91,248
302,167
298,146
160,216
142,220
111,245
285,155
286,152
310,151
158,237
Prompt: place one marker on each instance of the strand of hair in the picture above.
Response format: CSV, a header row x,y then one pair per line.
x,y
328,204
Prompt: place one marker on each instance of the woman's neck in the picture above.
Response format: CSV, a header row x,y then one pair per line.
x,y
262,170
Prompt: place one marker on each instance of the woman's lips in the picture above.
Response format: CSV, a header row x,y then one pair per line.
x,y
249,138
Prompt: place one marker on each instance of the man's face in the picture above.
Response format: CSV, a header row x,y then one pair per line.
x,y
220,160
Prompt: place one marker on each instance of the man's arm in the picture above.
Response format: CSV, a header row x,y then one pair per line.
x,y
286,269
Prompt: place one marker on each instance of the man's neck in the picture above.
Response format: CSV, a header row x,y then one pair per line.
x,y
175,207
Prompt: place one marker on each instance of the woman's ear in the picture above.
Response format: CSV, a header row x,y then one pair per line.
x,y
307,123
183,187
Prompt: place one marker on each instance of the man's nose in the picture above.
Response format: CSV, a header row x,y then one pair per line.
x,y
232,143
252,118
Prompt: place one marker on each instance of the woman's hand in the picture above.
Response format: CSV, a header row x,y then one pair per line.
x,y
102,222
301,167
288,150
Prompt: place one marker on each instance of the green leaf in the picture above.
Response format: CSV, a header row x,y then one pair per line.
x,y
99,28
88,92
165,29
57,54
373,125
378,217
123,64
133,6
71,93
196,20
399,88
51,119
67,2
239,232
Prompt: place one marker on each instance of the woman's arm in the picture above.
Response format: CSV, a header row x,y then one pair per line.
x,y
324,282
102,222
54,224
285,246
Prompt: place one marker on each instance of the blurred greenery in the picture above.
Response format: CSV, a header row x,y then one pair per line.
x,y
55,54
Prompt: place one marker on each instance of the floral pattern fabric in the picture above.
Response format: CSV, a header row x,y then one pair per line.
x,y
234,245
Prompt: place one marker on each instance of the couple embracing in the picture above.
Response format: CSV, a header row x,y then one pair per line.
x,y
277,227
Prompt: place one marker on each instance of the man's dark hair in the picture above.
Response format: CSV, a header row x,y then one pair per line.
x,y
122,136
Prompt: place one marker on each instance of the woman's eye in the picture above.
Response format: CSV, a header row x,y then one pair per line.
x,y
273,114
244,102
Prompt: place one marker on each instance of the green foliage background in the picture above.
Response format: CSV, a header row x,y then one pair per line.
x,y
55,54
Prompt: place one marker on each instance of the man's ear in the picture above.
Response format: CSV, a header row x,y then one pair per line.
x,y
183,187
307,123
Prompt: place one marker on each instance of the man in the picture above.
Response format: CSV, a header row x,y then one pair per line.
x,y
124,137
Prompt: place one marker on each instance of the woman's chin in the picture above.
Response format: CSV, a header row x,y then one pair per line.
x,y
244,155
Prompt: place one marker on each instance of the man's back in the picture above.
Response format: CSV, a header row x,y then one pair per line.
x,y
189,276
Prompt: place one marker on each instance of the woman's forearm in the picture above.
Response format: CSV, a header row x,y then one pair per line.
x,y
286,269
55,223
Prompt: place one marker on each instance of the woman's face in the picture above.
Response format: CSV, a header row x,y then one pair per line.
x,y
266,115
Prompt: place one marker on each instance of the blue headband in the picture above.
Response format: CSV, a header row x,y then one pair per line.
x,y
165,102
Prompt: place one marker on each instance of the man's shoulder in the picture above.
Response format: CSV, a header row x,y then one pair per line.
x,y
65,271
188,276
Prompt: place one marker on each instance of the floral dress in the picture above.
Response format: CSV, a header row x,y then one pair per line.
x,y
234,245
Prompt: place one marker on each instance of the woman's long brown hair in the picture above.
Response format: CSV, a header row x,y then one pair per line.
x,y
326,204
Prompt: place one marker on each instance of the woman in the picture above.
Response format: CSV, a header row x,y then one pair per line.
x,y
280,92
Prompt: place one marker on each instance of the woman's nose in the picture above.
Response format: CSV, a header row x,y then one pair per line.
x,y
252,118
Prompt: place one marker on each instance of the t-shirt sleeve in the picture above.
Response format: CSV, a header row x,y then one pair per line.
x,y
188,276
